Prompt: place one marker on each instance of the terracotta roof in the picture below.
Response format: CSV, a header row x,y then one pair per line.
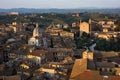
x,y
61,50
94,75
105,54
38,52
114,78
79,67
16,77
91,65
105,64
90,75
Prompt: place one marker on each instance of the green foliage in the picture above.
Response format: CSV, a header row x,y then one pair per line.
x,y
108,45
7,19
83,42
45,19
117,28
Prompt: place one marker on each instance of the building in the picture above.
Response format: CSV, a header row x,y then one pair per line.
x,y
65,26
87,55
106,69
13,13
37,56
67,34
107,35
58,54
84,27
105,30
17,27
36,38
101,22
9,13
75,24
16,77
107,25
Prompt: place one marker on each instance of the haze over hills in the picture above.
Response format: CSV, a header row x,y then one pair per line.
x,y
33,10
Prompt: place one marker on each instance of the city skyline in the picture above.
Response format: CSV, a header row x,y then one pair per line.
x,y
60,4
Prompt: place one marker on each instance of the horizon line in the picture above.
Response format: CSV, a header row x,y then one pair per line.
x,y
66,8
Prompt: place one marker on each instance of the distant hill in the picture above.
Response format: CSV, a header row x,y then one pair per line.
x,y
32,10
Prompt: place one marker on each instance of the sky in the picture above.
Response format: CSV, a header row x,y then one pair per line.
x,y
59,4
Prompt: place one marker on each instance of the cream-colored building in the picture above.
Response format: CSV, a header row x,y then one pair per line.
x,y
67,34
14,23
105,30
84,27
37,56
107,35
110,23
106,25
106,22
101,22
74,24
87,55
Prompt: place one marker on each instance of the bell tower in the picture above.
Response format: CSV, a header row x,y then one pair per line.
x,y
36,31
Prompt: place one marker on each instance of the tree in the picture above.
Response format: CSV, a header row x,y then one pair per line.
x,y
108,45
117,28
14,71
51,45
102,44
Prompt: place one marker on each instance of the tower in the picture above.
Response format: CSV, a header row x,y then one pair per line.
x,y
90,27
84,27
90,21
36,31
36,38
